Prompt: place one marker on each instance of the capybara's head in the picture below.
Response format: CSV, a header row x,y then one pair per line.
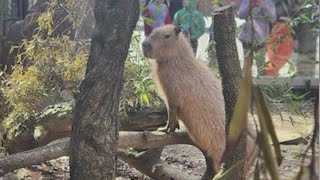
x,y
166,43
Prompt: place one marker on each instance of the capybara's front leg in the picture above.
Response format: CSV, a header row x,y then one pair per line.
x,y
172,123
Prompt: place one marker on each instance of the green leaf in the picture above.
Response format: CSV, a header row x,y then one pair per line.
x,y
268,155
265,119
305,18
263,136
145,98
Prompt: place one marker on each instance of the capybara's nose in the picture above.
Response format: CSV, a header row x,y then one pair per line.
x,y
146,46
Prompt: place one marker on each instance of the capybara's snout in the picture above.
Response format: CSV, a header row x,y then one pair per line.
x,y
147,49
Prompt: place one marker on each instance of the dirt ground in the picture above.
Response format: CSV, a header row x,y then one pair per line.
x,y
184,158
188,159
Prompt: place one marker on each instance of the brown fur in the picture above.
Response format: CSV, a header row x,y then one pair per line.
x,y
190,91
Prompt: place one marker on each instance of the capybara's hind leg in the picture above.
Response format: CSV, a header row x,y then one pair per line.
x,y
172,123
210,170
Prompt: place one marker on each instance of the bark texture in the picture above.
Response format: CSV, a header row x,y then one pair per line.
x,y
230,71
95,128
227,56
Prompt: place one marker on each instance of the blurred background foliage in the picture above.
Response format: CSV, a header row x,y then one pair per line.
x,y
49,70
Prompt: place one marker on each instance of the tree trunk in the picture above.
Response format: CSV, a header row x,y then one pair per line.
x,y
227,55
230,71
2,16
95,127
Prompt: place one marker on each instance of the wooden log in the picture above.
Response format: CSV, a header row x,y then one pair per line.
x,y
58,148
52,123
149,120
34,156
151,139
55,122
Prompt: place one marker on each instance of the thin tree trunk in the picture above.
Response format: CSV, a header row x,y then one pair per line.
x,y
95,127
2,29
2,17
230,71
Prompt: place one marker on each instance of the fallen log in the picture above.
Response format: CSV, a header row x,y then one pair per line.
x,y
151,139
55,122
141,140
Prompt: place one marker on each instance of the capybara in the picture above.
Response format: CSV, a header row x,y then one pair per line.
x,y
189,89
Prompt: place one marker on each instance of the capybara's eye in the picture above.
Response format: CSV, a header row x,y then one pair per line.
x,y
167,36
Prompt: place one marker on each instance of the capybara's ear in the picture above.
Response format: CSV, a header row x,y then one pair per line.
x,y
177,30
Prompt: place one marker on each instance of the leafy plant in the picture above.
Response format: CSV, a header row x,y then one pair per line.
x,y
283,98
139,90
308,12
46,67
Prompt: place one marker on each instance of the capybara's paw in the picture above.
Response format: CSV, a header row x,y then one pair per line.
x,y
173,126
163,129
170,127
